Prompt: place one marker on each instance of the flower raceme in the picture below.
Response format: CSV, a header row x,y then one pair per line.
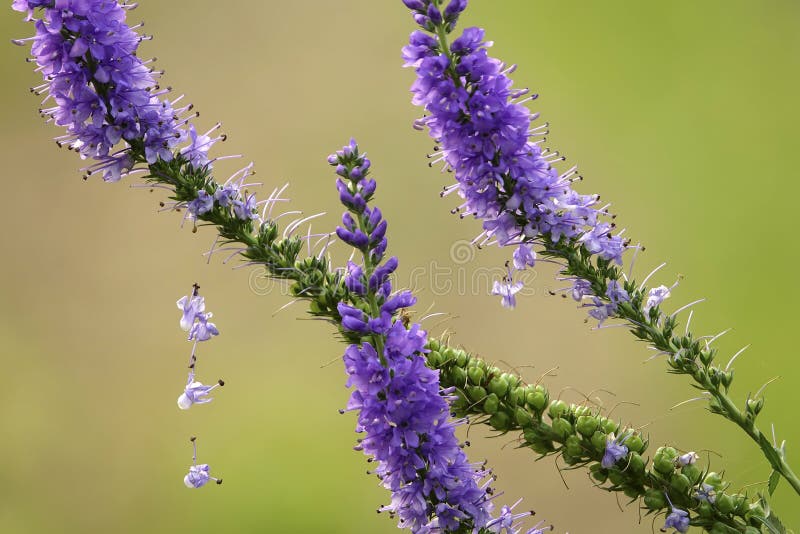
x,y
105,96
402,410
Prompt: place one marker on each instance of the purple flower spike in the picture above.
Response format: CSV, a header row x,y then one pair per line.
x,y
197,151
615,451
202,204
524,257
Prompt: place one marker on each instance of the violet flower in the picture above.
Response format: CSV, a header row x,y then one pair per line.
x,y
199,474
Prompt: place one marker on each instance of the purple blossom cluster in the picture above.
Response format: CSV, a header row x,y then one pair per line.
x,y
195,320
104,95
402,410
484,135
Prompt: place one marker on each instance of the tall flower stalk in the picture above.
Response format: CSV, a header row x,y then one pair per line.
x,y
507,180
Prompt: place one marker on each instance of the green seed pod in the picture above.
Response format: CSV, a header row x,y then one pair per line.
x,y
517,396
541,447
498,386
664,460
476,393
449,354
635,443
598,473
573,446
568,458
632,492
680,483
475,375
705,510
740,503
692,472
636,465
522,416
609,426
654,499
434,359
491,404
587,425
755,511
562,427
434,345
500,421
714,480
458,375
724,504
537,400
599,442
461,358
557,409
616,477
579,411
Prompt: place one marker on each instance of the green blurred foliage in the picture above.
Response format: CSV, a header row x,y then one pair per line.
x,y
682,113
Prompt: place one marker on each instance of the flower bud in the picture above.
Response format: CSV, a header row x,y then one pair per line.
x,y
573,446
587,425
458,375
461,358
538,399
599,442
664,460
542,447
616,477
714,480
475,374
517,396
434,359
609,426
754,406
598,473
756,511
705,510
631,492
692,472
636,465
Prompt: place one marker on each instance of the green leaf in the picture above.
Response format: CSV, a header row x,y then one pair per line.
x,y
771,522
774,478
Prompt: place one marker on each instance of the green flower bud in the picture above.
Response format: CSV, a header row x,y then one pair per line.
x,y
579,411
475,374
755,511
654,499
461,358
449,354
568,458
598,473
724,504
705,510
587,425
680,484
434,359
500,421
434,345
740,503
557,409
476,393
491,404
562,427
636,465
635,443
498,386
522,416
692,472
754,406
632,492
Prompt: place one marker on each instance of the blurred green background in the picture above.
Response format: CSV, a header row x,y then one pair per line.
x,y
683,113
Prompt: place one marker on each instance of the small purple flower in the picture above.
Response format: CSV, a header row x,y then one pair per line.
x,y
196,393
226,195
615,451
507,289
677,519
197,150
706,493
524,257
616,293
246,210
202,204
198,475
580,289
202,330
655,297
687,459
192,307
